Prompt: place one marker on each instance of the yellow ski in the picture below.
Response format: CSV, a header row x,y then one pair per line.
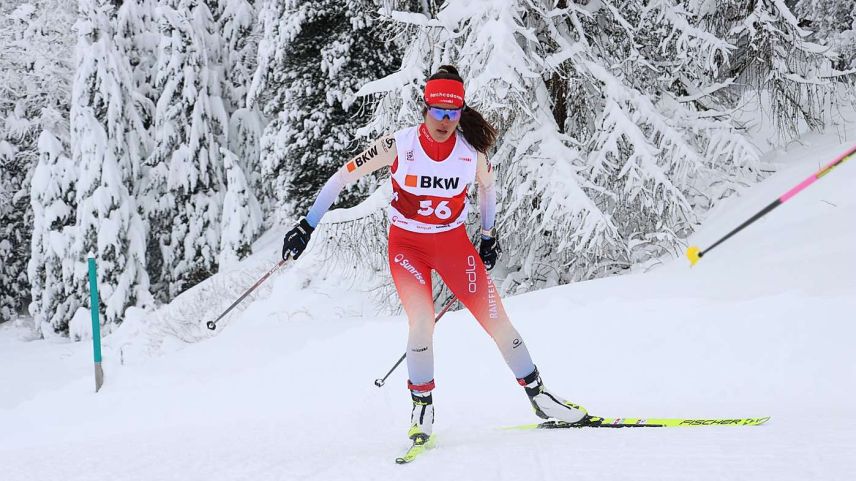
x,y
599,422
421,444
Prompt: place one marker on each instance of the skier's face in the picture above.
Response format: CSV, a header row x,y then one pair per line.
x,y
442,120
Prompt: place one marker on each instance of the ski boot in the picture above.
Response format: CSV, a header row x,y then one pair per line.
x,y
422,415
549,406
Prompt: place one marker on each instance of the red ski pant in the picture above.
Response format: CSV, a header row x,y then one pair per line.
x,y
412,257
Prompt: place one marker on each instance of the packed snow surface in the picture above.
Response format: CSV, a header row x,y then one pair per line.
x,y
762,326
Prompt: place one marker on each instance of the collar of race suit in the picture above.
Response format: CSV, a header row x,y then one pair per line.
x,y
435,150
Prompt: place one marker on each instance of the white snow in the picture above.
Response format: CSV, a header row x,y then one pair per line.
x,y
763,325
395,80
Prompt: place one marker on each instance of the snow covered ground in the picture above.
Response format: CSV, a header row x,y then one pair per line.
x,y
763,326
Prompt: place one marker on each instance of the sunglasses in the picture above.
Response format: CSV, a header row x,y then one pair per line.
x,y
440,113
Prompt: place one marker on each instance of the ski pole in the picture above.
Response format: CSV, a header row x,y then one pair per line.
x,y
213,324
694,253
379,382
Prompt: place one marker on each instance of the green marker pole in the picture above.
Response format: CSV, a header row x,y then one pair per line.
x,y
96,324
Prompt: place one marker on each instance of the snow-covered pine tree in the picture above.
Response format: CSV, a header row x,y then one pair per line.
x,y
775,58
833,24
184,184
36,41
686,84
647,149
240,30
242,216
314,55
137,39
53,265
246,126
107,133
16,133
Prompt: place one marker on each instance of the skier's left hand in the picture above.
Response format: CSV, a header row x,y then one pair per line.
x,y
489,251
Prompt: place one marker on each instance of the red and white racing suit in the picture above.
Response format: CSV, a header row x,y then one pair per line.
x,y
430,181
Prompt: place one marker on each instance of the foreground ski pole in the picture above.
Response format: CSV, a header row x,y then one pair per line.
x,y
694,253
379,382
213,324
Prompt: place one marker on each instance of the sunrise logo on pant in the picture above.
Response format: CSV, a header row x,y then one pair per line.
x,y
400,260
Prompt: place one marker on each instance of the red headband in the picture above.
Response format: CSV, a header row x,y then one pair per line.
x,y
444,91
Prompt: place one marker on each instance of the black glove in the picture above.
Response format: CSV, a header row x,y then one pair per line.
x,y
296,239
489,251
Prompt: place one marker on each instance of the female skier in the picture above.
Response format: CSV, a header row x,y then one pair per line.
x,y
432,166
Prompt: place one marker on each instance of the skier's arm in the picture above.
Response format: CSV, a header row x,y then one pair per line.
x,y
381,153
486,178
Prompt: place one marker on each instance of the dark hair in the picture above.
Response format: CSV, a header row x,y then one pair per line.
x,y
477,131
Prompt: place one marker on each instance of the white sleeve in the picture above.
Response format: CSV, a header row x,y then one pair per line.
x,y
486,178
332,188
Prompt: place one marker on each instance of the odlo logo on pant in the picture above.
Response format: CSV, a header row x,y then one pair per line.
x,y
472,286
400,260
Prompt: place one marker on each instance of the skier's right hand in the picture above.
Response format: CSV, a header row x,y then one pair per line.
x,y
296,239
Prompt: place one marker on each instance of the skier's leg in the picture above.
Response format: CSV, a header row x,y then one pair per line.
x,y
412,277
462,270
